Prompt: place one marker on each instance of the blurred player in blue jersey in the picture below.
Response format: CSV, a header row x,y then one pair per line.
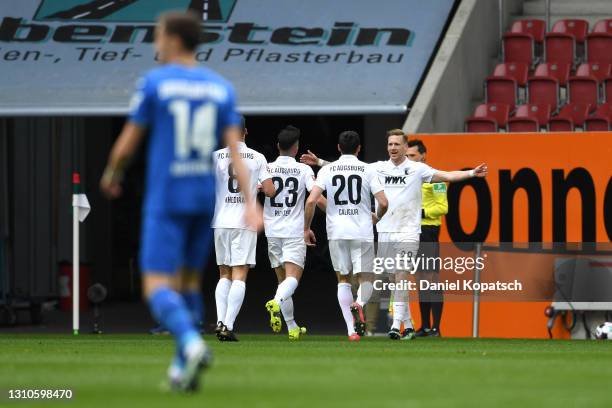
x,y
187,110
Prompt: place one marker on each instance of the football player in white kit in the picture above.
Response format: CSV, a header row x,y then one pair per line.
x,y
399,229
349,183
235,241
284,227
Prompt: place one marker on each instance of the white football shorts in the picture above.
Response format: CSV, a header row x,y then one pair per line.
x,y
351,255
235,246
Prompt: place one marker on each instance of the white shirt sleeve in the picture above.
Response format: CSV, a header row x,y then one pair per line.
x,y
426,172
321,179
264,173
375,185
309,178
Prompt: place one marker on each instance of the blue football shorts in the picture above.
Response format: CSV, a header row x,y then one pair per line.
x,y
172,241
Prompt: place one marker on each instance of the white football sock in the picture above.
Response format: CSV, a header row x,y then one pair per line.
x,y
399,311
234,303
364,293
286,289
407,317
221,292
345,298
287,310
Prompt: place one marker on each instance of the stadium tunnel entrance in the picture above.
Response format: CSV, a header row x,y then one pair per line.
x,y
37,157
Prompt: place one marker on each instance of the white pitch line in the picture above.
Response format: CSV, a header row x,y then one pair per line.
x,y
81,15
205,5
205,16
106,5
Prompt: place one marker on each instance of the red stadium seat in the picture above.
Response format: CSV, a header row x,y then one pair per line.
x,y
577,28
541,113
560,48
501,90
560,72
536,28
543,91
598,48
594,70
570,116
583,90
499,112
603,26
523,125
480,125
601,119
518,48
516,70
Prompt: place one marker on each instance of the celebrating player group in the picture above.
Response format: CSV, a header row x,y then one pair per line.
x,y
187,111
349,184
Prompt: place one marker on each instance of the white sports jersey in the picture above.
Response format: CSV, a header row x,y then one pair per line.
x,y
284,213
403,185
229,202
349,182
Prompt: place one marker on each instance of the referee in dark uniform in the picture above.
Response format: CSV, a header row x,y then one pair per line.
x,y
435,205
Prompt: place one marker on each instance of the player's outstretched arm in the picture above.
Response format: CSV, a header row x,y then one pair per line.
x,y
459,175
123,150
311,159
309,210
383,204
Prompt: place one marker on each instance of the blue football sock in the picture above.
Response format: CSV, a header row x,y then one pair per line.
x,y
195,304
170,310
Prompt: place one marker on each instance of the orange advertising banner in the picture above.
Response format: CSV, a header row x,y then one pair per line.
x,y
541,187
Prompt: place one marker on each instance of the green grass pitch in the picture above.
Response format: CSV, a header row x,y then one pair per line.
x,y
319,371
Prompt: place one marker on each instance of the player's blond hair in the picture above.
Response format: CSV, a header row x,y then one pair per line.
x,y
397,132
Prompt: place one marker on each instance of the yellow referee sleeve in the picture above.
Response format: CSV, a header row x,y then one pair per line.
x,y
435,204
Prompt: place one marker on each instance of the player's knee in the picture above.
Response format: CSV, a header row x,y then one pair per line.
x,y
344,278
153,282
240,272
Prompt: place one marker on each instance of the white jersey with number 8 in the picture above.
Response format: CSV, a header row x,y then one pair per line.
x,y
229,201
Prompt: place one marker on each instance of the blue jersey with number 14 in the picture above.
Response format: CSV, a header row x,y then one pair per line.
x,y
186,110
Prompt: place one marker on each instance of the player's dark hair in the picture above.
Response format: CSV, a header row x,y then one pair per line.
x,y
349,142
186,26
288,137
419,144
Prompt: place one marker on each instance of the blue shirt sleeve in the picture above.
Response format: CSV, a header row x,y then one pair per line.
x,y
142,103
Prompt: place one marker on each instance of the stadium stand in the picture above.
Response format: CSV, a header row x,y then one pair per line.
x,y
567,69
554,50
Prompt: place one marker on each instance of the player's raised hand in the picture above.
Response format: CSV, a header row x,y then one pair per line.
x,y
309,158
481,170
253,217
309,238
